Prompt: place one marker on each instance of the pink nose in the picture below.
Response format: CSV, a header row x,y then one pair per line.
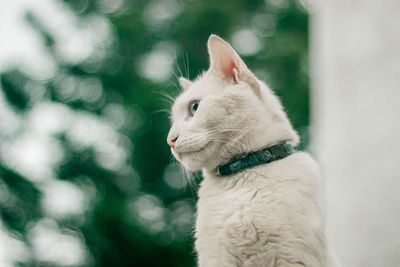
x,y
171,141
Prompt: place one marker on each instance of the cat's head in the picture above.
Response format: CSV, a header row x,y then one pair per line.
x,y
225,112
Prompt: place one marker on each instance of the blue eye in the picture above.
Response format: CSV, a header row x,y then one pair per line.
x,y
194,105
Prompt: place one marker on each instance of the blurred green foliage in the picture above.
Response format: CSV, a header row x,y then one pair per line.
x,y
135,210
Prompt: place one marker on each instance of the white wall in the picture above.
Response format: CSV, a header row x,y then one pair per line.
x,y
355,56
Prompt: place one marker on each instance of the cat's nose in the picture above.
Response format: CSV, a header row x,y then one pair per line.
x,y
171,141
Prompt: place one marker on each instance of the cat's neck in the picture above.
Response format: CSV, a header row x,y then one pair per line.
x,y
227,154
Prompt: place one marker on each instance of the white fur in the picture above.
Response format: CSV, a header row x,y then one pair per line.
x,y
268,215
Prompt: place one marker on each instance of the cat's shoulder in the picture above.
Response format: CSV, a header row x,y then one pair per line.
x,y
299,164
303,158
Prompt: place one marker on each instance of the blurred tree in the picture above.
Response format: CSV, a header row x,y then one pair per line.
x,y
86,177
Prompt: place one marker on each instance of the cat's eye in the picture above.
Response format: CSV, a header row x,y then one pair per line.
x,y
193,106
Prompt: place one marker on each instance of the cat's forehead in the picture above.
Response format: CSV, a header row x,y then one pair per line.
x,y
200,88
182,101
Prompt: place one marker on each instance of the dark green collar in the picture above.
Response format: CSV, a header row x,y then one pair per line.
x,y
252,159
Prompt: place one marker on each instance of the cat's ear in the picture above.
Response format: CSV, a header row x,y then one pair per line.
x,y
224,61
227,64
185,83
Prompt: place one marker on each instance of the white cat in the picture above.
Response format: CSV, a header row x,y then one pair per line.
x,y
263,214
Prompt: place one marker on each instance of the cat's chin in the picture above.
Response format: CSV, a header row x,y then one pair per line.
x,y
192,161
190,165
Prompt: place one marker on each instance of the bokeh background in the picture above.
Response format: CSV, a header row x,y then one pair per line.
x,y
86,176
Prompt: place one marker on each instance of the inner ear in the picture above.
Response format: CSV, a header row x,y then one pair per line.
x,y
224,61
227,64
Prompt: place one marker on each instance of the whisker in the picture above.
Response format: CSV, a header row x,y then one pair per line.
x,y
188,66
166,96
163,110
176,85
179,69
